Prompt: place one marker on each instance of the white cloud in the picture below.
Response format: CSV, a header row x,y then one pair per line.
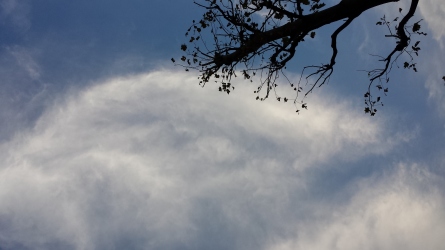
x,y
404,210
434,13
154,161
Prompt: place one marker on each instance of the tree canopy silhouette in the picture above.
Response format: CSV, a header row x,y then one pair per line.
x,y
259,37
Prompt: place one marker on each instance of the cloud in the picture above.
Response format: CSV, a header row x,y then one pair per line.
x,y
23,94
401,210
25,61
434,83
432,63
153,161
16,12
434,13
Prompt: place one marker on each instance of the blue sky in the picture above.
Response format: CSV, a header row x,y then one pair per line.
x,y
106,145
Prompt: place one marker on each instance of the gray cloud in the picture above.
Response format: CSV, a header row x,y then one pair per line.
x,y
154,162
399,210
434,11
25,61
23,94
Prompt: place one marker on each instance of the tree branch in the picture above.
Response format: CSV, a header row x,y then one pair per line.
x,y
402,43
344,9
243,33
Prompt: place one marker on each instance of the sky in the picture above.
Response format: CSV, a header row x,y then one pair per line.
x,y
104,144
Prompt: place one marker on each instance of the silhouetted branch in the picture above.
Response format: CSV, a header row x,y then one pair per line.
x,y
263,36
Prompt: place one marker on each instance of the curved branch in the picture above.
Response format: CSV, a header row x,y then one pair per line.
x,y
401,34
289,14
325,71
404,39
344,9
263,43
334,39
401,46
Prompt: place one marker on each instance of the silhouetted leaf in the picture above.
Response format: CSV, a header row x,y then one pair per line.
x,y
242,42
416,27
